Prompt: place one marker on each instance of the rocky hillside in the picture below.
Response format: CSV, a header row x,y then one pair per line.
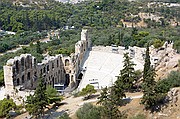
x,y
168,62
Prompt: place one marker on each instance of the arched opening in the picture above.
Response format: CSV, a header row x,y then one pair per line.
x,y
57,63
47,68
27,62
28,76
35,76
52,82
22,78
80,76
72,78
17,67
17,81
67,81
44,70
34,62
82,47
66,62
22,64
52,65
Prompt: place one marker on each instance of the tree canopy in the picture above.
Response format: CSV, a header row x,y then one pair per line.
x,y
127,74
88,91
6,105
35,104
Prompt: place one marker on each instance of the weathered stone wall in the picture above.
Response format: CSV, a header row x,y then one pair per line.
x,y
23,70
156,54
19,71
137,52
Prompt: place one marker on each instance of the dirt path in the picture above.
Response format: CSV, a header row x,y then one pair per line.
x,y
71,105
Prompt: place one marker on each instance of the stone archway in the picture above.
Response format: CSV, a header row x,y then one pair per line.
x,y
22,79
72,78
28,76
17,66
67,81
52,82
66,62
80,76
22,64
18,82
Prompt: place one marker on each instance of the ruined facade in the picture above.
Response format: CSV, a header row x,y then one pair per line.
x,y
156,54
24,71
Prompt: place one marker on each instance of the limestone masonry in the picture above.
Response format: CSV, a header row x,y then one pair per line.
x,y
23,71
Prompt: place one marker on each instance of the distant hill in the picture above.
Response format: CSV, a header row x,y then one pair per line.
x,y
43,1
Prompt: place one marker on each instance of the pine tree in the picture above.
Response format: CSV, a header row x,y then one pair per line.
x,y
40,96
87,91
37,103
38,48
148,86
151,96
147,62
127,74
109,104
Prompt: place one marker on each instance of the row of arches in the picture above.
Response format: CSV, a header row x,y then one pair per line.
x,y
21,80
23,64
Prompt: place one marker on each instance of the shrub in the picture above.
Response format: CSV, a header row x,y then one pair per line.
x,y
171,81
1,77
176,46
88,111
64,116
88,91
6,105
157,43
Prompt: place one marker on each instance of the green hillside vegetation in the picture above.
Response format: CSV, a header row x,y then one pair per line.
x,y
104,17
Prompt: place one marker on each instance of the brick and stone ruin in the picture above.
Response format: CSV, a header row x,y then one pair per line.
x,y
23,71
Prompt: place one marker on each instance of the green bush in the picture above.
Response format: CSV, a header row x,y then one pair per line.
x,y
88,111
87,91
173,80
176,45
1,77
6,105
64,116
157,43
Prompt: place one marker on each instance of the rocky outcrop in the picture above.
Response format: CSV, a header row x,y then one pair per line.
x,y
174,97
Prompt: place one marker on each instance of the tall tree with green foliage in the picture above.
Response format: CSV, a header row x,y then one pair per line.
x,y
148,82
109,104
147,63
88,91
151,96
38,47
6,105
148,86
37,103
127,74
52,95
